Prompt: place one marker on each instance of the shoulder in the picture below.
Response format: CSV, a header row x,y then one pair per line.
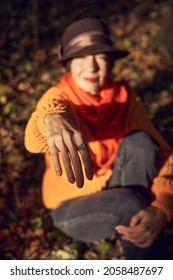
x,y
57,87
124,84
124,88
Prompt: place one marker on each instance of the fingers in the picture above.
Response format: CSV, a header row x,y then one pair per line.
x,y
136,219
137,235
55,158
81,146
57,146
67,165
88,164
142,232
76,164
70,158
64,139
137,232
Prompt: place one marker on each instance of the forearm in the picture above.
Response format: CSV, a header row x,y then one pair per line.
x,y
35,134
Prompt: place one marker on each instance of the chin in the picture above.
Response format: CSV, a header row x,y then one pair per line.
x,y
93,92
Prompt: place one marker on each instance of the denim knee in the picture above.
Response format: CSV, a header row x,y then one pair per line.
x,y
95,216
135,163
140,141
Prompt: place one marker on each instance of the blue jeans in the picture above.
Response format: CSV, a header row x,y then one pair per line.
x,y
95,216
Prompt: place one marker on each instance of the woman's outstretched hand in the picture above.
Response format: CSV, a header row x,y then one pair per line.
x,y
144,228
65,138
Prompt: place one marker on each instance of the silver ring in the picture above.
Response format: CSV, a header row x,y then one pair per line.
x,y
82,147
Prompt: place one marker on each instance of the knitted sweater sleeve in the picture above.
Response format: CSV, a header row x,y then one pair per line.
x,y
162,187
50,103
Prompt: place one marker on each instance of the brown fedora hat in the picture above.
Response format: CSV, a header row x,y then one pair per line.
x,y
85,37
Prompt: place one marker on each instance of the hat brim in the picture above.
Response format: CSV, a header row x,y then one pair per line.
x,y
95,49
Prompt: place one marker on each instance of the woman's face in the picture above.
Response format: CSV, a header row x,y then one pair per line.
x,y
90,72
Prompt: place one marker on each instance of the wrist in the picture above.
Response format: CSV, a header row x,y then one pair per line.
x,y
160,213
47,117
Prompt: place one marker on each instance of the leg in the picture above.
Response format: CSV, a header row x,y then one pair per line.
x,y
94,217
135,161
135,167
157,251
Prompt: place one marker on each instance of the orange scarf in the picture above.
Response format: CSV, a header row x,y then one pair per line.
x,y
101,118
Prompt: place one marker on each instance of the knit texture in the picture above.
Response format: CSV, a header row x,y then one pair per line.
x,y
104,120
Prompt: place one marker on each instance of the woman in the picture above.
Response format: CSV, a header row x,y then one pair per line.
x,y
108,171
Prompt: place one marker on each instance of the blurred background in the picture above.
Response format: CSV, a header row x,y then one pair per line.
x,y
30,34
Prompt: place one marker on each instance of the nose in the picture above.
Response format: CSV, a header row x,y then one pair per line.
x,y
91,63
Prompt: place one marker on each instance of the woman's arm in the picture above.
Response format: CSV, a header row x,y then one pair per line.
x,y
162,187
146,225
54,127
51,102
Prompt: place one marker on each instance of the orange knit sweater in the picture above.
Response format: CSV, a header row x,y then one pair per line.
x,y
104,120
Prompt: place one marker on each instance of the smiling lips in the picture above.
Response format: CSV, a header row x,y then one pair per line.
x,y
91,80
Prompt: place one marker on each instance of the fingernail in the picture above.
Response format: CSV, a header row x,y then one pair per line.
x,y
90,176
71,180
79,184
58,172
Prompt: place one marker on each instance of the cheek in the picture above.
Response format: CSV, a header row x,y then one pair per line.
x,y
104,74
76,71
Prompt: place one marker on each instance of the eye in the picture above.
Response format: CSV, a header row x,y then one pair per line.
x,y
102,57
